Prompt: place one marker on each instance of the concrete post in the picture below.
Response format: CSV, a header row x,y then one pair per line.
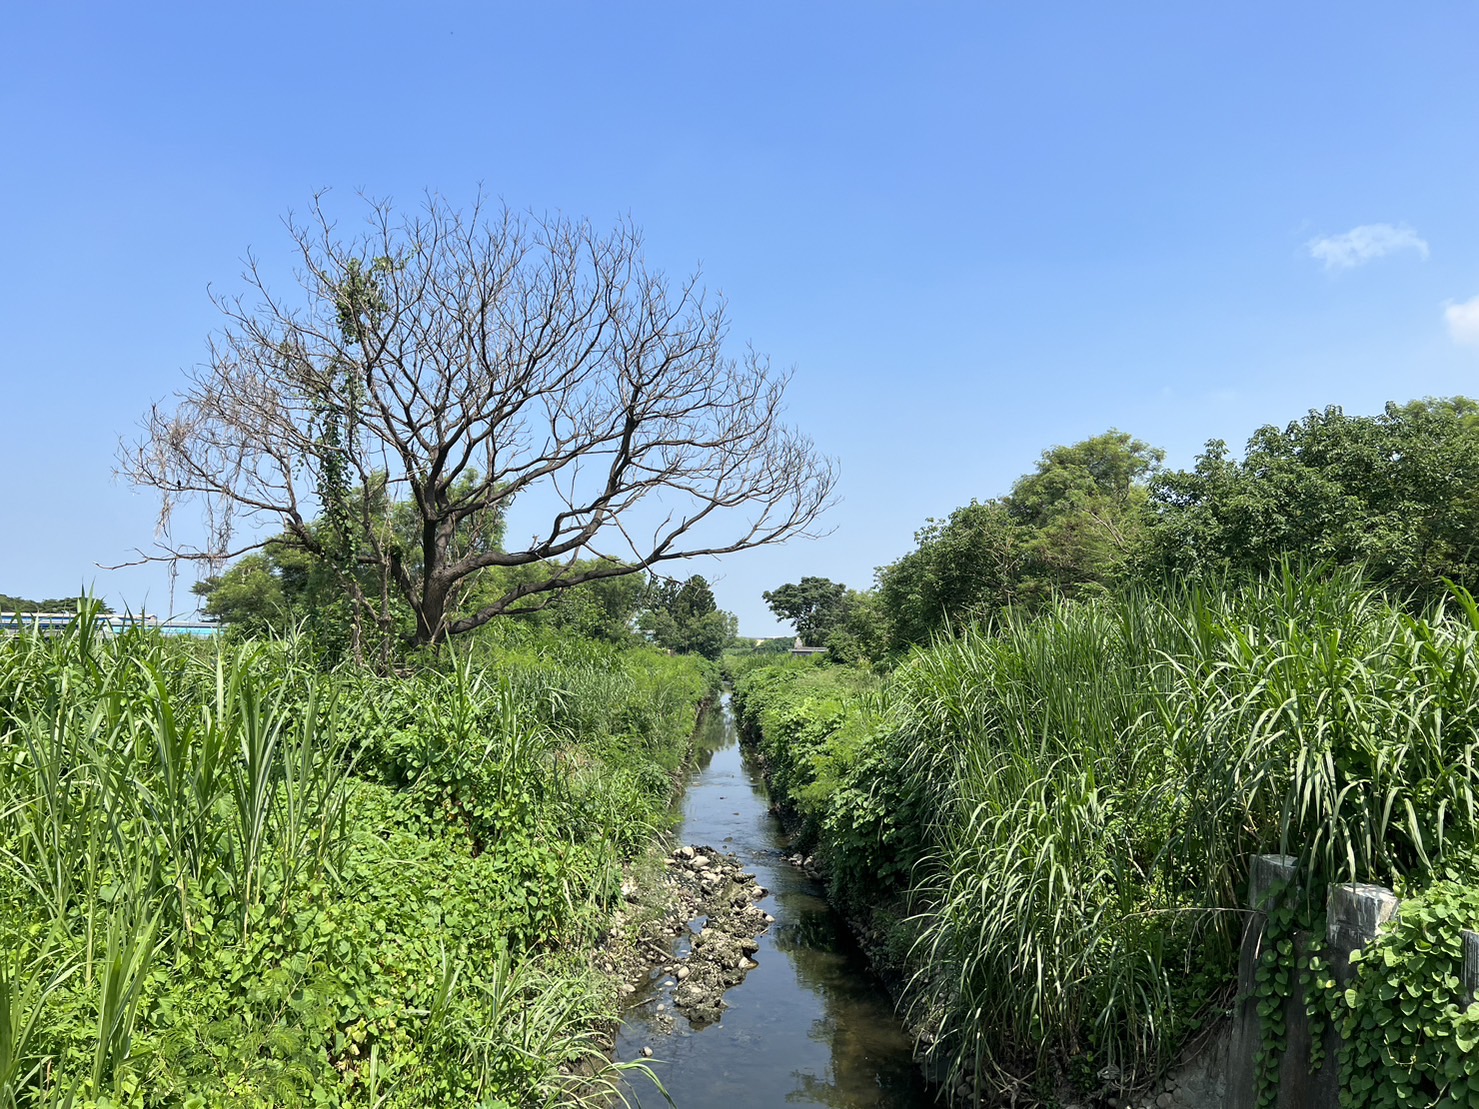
x,y
1265,873
1355,913
1471,969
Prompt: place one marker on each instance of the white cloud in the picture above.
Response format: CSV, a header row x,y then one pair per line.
x,y
1363,244
1463,322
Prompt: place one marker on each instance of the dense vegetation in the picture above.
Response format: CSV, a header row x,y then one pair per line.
x,y
230,878
312,865
1397,492
1068,802
1077,709
50,604
283,590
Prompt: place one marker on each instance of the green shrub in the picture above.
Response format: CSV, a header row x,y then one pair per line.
x,y
1412,1039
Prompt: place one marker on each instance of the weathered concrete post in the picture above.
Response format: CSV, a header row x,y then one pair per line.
x,y
1355,913
1471,968
1266,873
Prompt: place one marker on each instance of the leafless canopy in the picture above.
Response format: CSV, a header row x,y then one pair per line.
x,y
463,359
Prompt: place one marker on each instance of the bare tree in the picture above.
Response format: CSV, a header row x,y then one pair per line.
x,y
452,361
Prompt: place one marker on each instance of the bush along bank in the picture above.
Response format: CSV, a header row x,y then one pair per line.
x,y
1070,803
229,879
827,755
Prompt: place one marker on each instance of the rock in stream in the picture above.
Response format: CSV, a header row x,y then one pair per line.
x,y
715,887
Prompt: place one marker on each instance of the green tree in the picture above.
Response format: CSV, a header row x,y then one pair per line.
x,y
600,608
813,606
860,632
1086,507
348,605
1074,525
964,567
249,596
50,604
683,617
281,588
1398,492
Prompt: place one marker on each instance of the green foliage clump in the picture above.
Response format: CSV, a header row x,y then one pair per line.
x,y
829,757
1073,527
961,567
1411,1037
849,623
228,878
1395,492
1071,799
683,617
813,605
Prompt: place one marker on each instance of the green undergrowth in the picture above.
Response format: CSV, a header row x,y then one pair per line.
x,y
1411,1032
828,753
229,879
1070,802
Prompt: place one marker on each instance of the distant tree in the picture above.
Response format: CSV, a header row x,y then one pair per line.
x,y
282,588
50,604
448,362
601,608
1398,492
860,633
964,567
1074,525
813,606
684,617
248,596
1086,510
779,645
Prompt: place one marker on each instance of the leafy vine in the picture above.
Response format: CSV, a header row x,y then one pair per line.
x,y
1292,957
1411,1037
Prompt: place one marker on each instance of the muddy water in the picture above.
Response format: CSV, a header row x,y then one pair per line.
x,y
810,1025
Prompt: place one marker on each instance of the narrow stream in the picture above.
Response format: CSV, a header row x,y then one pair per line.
x,y
810,1025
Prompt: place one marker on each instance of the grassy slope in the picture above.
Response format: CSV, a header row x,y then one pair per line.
x,y
227,879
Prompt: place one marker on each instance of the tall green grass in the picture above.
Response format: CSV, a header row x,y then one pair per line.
x,y
1085,790
141,792
228,878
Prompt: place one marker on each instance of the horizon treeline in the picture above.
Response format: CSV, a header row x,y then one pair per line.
x,y
1396,493
50,604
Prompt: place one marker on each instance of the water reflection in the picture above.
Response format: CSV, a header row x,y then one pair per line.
x,y
809,1026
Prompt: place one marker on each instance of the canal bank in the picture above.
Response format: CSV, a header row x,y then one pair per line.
x,y
808,1023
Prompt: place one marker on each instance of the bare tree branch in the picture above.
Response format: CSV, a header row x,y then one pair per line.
x,y
454,361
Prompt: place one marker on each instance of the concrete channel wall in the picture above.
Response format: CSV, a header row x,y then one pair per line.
x,y
1355,913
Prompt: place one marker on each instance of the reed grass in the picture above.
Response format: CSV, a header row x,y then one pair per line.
x,y
1104,774
228,875
1083,790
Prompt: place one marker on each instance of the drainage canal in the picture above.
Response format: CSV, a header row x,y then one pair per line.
x,y
809,1024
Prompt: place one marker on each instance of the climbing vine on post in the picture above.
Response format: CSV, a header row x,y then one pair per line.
x,y
1292,958
1411,1037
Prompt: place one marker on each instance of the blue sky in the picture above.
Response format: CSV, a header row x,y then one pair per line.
x,y
973,230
